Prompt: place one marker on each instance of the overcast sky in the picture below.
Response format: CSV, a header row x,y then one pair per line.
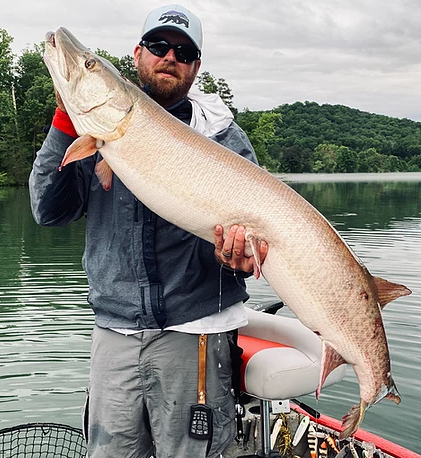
x,y
365,54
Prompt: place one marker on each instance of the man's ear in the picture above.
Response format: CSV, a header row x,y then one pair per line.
x,y
198,63
136,55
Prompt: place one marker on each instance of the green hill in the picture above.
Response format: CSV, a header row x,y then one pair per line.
x,y
298,137
308,137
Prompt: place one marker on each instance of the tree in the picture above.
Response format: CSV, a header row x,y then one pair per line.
x,y
248,120
125,65
36,111
414,164
293,159
395,164
127,68
262,136
325,158
36,103
371,160
224,92
8,120
6,61
29,65
7,132
106,55
298,137
346,160
207,83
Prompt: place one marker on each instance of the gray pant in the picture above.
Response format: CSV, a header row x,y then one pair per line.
x,y
141,390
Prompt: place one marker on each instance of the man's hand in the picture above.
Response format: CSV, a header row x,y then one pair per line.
x,y
60,103
230,252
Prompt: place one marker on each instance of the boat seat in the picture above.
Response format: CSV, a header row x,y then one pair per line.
x,y
282,360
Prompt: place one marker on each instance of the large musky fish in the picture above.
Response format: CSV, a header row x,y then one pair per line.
x,y
195,184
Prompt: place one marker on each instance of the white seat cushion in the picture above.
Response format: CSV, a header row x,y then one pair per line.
x,y
282,372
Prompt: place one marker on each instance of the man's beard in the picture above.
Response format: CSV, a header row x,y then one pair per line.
x,y
162,89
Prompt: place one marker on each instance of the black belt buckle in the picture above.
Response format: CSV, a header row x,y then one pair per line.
x,y
200,422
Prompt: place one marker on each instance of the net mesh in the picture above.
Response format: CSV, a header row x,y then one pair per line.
x,y
42,440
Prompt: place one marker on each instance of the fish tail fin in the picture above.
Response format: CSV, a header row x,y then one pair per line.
x,y
393,397
388,291
352,419
392,393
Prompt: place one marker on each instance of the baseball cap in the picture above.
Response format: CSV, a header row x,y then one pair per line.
x,y
174,17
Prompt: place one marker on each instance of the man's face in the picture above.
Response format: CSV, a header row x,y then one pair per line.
x,y
168,80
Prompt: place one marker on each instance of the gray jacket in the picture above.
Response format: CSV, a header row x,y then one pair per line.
x,y
143,272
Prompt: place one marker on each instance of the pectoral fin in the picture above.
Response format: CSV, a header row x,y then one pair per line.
x,y
82,147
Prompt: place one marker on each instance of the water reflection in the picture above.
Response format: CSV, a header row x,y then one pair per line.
x,y
363,204
45,321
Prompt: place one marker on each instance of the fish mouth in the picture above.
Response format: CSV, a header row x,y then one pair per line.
x,y
50,38
55,62
61,53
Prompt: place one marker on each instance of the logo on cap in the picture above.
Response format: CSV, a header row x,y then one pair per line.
x,y
176,17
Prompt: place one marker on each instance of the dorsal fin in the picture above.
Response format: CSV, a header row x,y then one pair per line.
x,y
388,291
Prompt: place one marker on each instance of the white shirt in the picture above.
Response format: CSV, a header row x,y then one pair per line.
x,y
231,318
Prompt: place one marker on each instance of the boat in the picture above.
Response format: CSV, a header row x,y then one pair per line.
x,y
281,362
301,434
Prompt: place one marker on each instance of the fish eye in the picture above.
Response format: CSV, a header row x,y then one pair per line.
x,y
90,63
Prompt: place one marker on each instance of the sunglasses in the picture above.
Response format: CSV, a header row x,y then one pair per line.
x,y
183,53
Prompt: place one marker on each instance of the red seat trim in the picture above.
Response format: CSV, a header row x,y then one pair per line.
x,y
251,346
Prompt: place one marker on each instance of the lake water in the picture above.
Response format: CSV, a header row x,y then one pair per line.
x,y
45,322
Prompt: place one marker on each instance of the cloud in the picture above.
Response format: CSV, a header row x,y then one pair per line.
x,y
364,53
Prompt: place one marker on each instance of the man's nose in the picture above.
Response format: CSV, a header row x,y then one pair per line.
x,y
170,56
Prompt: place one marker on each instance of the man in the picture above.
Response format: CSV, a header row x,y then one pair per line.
x,y
155,289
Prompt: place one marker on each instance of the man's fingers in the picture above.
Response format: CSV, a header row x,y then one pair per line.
x,y
218,237
231,251
239,242
60,103
227,249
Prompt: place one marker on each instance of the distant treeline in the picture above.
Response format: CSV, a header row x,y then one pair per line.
x,y
308,137
299,137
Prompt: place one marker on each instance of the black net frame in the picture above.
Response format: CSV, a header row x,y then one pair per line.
x,y
42,440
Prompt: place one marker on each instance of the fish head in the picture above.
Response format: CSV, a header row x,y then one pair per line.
x,y
98,99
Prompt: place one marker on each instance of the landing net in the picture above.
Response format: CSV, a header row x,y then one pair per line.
x,y
42,440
